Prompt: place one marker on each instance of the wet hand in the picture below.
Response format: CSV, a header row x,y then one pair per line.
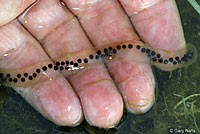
x,y
41,47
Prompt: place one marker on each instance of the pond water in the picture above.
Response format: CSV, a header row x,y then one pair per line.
x,y
177,106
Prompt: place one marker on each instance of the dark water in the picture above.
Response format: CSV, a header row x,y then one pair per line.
x,y
17,117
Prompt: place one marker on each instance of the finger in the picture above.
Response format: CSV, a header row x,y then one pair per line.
x,y
106,23
50,94
64,40
96,10
10,9
158,24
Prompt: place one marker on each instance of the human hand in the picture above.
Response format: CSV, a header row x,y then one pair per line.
x,y
105,23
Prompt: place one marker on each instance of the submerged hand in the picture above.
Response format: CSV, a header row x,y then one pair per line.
x,y
94,91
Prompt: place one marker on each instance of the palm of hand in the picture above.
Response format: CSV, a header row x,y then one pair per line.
x,y
63,39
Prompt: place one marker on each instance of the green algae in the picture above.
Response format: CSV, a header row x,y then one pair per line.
x,y
177,100
195,5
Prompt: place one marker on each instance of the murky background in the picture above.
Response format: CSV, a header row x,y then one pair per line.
x,y
177,100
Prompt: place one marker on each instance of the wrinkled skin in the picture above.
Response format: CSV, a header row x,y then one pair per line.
x,y
95,93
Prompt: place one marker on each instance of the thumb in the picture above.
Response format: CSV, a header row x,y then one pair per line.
x,y
10,9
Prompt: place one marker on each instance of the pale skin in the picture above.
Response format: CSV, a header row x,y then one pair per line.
x,y
49,30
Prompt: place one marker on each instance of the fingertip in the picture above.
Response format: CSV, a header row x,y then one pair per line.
x,y
136,83
101,102
56,101
106,117
102,108
142,106
139,94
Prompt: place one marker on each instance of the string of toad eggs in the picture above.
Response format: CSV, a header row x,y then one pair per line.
x,y
65,65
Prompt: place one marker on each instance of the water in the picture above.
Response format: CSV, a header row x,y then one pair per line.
x,y
17,117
